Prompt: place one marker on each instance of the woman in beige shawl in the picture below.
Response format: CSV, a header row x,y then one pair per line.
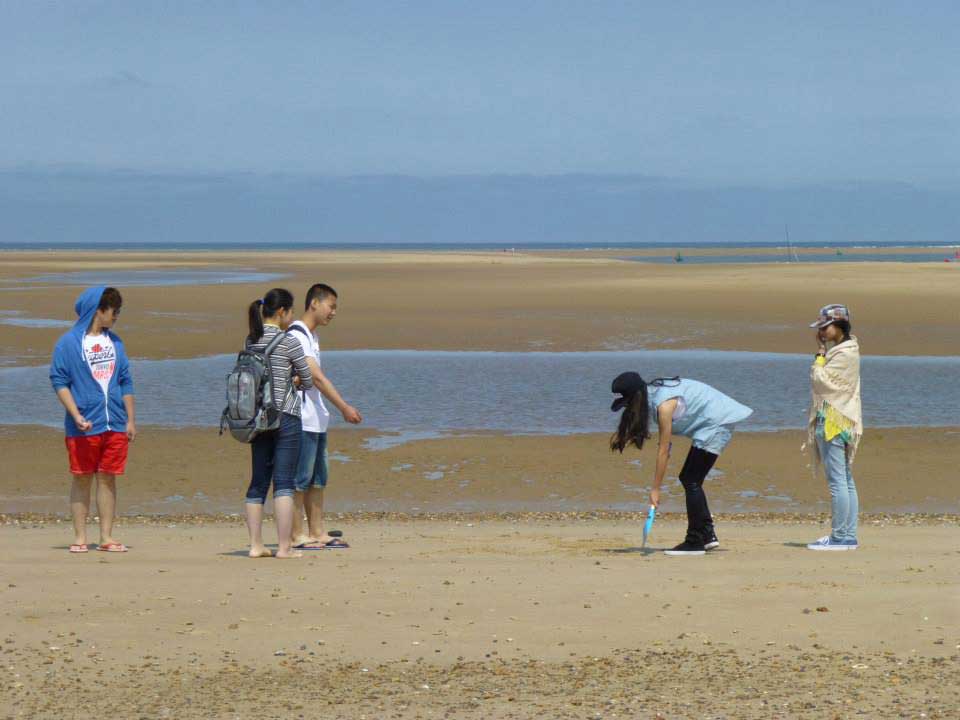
x,y
836,423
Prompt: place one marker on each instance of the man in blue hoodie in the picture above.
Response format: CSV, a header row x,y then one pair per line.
x,y
91,376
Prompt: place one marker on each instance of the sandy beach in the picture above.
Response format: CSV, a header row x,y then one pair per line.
x,y
487,619
171,471
490,575
503,301
742,217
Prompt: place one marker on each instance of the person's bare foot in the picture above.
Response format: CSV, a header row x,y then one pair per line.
x,y
288,555
303,540
324,539
260,552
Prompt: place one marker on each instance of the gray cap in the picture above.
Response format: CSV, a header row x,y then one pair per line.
x,y
830,314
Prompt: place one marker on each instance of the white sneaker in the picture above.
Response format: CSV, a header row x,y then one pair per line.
x,y
825,543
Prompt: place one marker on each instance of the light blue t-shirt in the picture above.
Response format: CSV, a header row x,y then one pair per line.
x,y
705,409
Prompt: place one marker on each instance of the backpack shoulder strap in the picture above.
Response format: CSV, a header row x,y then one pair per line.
x,y
272,345
299,329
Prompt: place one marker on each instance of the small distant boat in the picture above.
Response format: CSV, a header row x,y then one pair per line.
x,y
678,258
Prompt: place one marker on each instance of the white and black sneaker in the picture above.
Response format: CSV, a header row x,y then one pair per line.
x,y
686,548
829,544
712,544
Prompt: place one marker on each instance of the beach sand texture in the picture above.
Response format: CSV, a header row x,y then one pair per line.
x,y
503,301
456,598
482,619
195,471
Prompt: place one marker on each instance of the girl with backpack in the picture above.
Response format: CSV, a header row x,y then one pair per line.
x,y
835,423
680,407
274,453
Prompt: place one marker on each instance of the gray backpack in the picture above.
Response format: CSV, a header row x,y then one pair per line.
x,y
250,409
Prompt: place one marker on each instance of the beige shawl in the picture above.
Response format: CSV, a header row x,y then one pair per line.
x,y
835,387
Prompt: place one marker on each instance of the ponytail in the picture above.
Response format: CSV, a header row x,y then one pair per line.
x,y
273,302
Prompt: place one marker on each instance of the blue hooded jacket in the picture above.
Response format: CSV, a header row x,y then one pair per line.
x,y
69,369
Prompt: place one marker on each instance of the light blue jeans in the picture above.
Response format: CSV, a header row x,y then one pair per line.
x,y
844,503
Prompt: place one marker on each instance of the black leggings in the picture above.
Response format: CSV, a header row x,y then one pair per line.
x,y
699,521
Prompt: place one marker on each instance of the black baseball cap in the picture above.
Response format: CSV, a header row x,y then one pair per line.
x,y
626,385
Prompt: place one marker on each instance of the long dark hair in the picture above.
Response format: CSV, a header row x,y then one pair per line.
x,y
634,427
273,302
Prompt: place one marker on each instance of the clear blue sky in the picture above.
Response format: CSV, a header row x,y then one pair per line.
x,y
757,92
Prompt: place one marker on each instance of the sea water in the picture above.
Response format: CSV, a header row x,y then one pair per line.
x,y
692,258
422,394
142,278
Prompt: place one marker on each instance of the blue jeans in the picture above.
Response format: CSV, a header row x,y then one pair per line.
x,y
274,458
312,467
844,503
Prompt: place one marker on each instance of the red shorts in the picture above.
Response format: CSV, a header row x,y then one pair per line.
x,y
106,453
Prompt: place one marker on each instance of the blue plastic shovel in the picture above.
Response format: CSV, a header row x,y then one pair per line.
x,y
648,525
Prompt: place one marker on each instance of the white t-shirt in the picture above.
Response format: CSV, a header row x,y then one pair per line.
x,y
313,413
101,358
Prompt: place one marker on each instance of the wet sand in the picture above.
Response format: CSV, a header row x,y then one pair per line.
x,y
482,619
490,576
504,301
195,471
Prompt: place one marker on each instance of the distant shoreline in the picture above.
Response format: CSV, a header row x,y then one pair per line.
x,y
12,246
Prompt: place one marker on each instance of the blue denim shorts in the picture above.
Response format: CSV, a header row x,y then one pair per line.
x,y
716,441
312,470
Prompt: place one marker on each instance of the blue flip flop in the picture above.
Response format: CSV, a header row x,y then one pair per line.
x,y
335,544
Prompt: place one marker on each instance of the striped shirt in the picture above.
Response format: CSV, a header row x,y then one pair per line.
x,y
286,359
